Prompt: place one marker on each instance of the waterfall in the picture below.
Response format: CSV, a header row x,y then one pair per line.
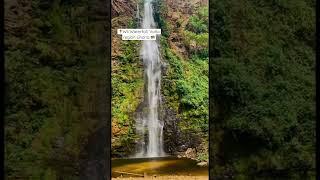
x,y
148,125
138,14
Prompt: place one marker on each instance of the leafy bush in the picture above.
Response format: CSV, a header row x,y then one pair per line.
x,y
198,23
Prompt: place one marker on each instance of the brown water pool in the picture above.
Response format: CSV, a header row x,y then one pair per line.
x,y
164,166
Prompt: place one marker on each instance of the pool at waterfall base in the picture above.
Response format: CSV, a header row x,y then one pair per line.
x,y
162,166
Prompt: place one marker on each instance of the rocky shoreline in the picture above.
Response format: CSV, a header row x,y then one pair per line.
x,y
191,153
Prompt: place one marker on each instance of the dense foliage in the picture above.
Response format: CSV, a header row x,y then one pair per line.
x,y
263,88
127,93
55,81
185,80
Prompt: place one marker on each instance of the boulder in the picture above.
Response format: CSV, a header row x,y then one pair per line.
x,y
190,153
202,164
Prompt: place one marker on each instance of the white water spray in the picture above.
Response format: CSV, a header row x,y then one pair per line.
x,y
152,146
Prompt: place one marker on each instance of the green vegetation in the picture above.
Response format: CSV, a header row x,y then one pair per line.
x,y
55,75
127,82
188,92
185,83
127,94
263,89
198,23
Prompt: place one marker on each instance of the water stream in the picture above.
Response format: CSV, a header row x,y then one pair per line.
x,y
148,125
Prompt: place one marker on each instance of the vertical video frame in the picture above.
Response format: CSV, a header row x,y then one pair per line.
x,y
160,101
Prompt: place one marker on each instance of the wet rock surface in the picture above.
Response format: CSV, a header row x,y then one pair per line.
x,y
175,140
202,164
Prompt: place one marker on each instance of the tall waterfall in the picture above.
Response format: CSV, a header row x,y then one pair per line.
x,y
148,125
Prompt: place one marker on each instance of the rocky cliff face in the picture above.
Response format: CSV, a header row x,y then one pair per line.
x,y
123,7
178,14
122,12
179,138
127,79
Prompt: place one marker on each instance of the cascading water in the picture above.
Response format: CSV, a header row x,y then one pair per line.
x,y
148,125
